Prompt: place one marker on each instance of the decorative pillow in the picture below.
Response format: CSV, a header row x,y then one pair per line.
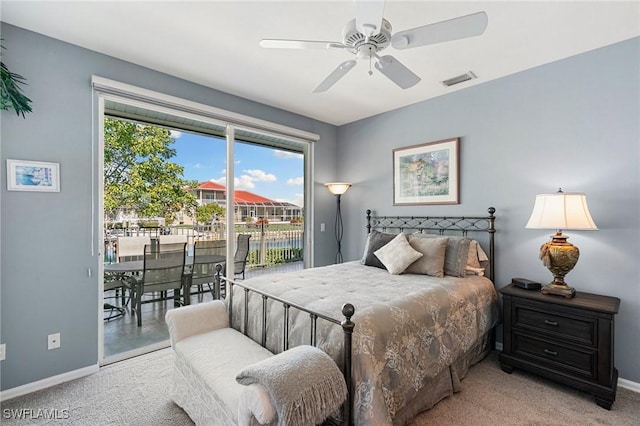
x,y
456,255
472,259
397,254
375,241
470,270
433,254
476,255
477,260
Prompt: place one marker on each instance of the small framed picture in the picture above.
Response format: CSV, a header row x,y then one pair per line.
x,y
427,174
33,176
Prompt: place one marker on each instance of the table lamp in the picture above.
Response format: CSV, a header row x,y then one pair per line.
x,y
337,189
559,211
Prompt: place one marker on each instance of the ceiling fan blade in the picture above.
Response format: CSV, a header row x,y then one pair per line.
x,y
396,72
452,29
369,16
335,75
300,44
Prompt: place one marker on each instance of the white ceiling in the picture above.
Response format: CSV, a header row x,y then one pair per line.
x,y
215,43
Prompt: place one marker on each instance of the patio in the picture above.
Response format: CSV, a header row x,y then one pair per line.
x,y
122,334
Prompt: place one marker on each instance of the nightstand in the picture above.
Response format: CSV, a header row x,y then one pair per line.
x,y
566,340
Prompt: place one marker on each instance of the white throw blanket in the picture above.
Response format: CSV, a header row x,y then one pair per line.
x,y
305,384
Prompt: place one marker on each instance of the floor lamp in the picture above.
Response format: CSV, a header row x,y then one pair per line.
x,y
337,189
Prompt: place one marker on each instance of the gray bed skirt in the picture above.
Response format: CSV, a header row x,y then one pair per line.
x,y
445,383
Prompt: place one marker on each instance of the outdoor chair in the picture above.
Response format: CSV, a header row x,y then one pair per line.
x,y
170,246
206,255
163,270
166,239
131,248
127,249
240,257
162,247
110,284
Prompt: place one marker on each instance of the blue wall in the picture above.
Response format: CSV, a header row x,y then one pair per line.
x,y
573,124
46,237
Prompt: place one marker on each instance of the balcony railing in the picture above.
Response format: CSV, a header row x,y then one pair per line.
x,y
272,244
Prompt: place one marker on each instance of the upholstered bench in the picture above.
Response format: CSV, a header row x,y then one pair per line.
x,y
211,359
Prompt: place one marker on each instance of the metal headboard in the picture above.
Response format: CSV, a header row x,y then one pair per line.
x,y
443,225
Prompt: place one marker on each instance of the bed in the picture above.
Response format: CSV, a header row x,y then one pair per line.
x,y
412,337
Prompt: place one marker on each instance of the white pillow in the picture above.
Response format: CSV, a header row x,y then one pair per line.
x,y
397,254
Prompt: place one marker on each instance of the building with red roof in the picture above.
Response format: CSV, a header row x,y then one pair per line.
x,y
247,204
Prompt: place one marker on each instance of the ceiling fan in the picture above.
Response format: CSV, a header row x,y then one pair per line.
x,y
369,34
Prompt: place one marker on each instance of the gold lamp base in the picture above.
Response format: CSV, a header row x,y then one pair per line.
x,y
559,257
564,291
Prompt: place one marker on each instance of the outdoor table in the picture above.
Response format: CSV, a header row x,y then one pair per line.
x,y
121,270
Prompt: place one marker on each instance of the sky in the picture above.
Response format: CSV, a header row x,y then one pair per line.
x,y
269,172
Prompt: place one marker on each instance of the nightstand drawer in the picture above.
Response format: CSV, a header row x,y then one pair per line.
x,y
576,329
574,360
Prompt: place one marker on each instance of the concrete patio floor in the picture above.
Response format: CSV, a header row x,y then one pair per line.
x,y
122,335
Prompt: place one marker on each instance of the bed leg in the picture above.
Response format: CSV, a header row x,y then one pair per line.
x,y
347,326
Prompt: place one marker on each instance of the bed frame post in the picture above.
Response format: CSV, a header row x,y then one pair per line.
x,y
492,263
492,230
347,326
368,221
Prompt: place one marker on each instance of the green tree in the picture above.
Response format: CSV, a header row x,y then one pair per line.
x,y
138,174
208,212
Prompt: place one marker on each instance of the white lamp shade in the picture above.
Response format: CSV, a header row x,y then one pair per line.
x,y
337,188
561,210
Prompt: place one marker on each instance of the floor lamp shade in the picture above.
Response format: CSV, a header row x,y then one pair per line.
x,y
560,211
337,189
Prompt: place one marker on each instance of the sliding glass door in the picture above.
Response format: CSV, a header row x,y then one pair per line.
x,y
167,180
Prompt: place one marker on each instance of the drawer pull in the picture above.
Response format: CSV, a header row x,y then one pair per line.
x,y
553,323
552,353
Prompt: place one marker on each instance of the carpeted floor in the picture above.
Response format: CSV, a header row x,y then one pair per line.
x,y
136,392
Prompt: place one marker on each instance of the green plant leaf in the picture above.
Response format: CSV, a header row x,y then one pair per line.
x,y
11,95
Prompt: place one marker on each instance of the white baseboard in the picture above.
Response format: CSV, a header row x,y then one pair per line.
x,y
76,374
48,382
629,385
623,383
136,352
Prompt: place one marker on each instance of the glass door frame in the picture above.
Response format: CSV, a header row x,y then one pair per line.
x,y
100,96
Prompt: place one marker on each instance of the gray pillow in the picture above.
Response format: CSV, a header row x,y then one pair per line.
x,y
376,241
456,255
433,255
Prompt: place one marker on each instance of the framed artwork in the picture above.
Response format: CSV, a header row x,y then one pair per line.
x,y
427,174
33,176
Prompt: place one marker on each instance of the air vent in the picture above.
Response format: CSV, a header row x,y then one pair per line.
x,y
459,79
